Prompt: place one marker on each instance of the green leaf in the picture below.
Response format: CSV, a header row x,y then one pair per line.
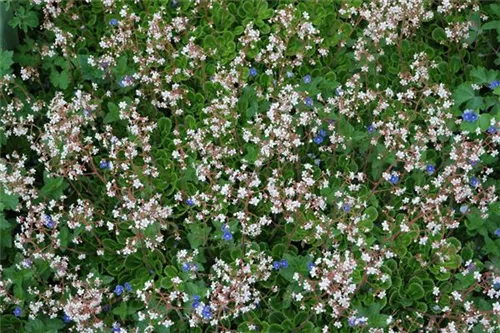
x,y
198,235
474,220
495,207
5,238
278,251
64,237
371,215
484,121
462,94
492,247
121,66
171,271
113,113
24,19
483,76
210,43
54,186
492,25
415,291
8,201
121,310
4,225
35,326
5,62
455,64
60,79
275,328
165,125
252,153
166,283
53,323
454,262
438,34
190,122
90,73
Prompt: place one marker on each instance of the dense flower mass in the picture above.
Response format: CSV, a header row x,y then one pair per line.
x,y
249,166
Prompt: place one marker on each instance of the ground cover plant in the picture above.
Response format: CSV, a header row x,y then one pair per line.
x,y
249,166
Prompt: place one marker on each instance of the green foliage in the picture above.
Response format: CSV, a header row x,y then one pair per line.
x,y
5,62
24,18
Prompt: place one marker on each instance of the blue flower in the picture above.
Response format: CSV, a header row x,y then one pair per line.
x,y
339,91
464,209
474,181
309,101
113,22
206,312
126,81
106,308
186,267
284,263
105,165
430,168
49,223
347,208
473,162
492,129
317,161
351,321
116,327
496,285
227,236
196,301
494,84
394,179
307,78
310,265
127,286
289,74
190,202
17,311
371,128
497,232
66,319
322,133
86,113
118,290
276,265
469,116
318,140
253,72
